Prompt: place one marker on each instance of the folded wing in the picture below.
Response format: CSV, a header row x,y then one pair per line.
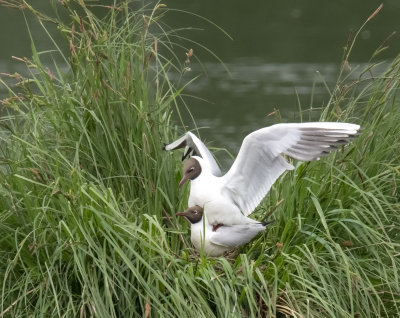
x,y
236,235
195,147
259,162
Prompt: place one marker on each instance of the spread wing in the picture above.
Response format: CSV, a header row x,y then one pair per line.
x,y
236,235
259,162
195,147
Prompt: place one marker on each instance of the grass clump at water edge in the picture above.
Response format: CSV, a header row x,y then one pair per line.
x,y
88,196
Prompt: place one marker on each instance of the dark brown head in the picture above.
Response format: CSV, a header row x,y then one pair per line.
x,y
192,214
191,170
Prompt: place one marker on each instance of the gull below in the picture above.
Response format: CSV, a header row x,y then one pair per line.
x,y
224,238
230,198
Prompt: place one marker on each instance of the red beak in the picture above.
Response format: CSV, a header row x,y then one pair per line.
x,y
182,182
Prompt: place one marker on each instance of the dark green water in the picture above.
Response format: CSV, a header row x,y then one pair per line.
x,y
280,54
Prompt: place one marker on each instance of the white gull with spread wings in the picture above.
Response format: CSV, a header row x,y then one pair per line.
x,y
228,199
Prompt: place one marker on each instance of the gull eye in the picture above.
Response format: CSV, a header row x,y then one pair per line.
x,y
195,212
191,169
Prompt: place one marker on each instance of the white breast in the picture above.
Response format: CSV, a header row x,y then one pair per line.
x,y
200,237
206,191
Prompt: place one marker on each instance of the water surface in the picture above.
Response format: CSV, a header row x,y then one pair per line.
x,y
280,56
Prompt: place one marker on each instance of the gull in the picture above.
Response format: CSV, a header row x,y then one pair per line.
x,y
230,198
225,238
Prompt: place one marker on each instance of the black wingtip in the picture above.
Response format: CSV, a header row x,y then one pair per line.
x,y
164,145
265,223
187,153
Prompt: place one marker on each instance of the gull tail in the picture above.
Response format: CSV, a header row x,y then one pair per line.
x,y
265,223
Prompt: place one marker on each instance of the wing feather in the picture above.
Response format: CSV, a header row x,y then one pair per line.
x,y
236,235
195,147
259,162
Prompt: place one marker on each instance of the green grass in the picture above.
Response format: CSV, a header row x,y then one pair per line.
x,y
88,197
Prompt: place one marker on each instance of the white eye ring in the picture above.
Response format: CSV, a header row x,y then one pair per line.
x,y
195,212
191,169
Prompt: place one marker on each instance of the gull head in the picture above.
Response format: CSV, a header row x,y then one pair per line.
x,y
191,170
192,214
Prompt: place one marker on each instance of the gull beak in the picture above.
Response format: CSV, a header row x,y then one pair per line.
x,y
184,179
184,214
